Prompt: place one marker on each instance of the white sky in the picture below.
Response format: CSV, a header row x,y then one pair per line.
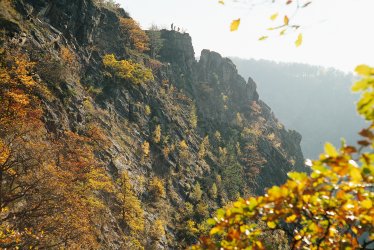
x,y
337,33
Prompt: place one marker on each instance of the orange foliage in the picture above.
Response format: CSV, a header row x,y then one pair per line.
x,y
16,84
48,186
68,57
138,38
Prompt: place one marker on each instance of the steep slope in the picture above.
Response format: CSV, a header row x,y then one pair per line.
x,y
315,101
136,149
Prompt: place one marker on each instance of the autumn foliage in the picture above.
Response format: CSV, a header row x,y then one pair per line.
x,y
138,38
49,184
127,70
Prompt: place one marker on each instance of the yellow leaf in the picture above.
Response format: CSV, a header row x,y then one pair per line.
x,y
306,198
364,70
274,16
282,32
275,192
299,40
298,237
221,2
296,176
252,203
355,174
333,231
214,230
330,150
262,38
360,85
4,152
271,224
259,244
286,20
349,205
367,204
291,218
235,25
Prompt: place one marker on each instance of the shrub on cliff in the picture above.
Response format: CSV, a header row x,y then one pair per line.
x,y
157,188
138,38
127,70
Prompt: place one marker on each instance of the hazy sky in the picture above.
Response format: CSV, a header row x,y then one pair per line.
x,y
337,33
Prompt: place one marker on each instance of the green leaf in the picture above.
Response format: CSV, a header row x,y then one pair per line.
x,y
235,25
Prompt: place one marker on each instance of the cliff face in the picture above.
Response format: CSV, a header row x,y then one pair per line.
x,y
216,139
281,90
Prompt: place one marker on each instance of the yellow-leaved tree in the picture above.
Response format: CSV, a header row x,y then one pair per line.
x,y
331,208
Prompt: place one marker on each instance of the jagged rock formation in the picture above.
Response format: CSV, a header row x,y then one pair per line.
x,y
282,90
248,148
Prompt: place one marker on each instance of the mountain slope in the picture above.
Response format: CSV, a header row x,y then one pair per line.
x,y
315,101
129,149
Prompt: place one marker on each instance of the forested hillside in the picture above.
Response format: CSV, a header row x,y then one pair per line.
x,y
313,100
112,137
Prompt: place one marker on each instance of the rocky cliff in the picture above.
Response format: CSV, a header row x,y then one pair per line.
x,y
186,141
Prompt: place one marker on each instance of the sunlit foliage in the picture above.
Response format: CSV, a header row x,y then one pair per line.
x,y
147,110
213,191
133,214
157,230
197,193
145,148
157,188
183,149
127,70
157,134
204,147
138,37
16,88
193,116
